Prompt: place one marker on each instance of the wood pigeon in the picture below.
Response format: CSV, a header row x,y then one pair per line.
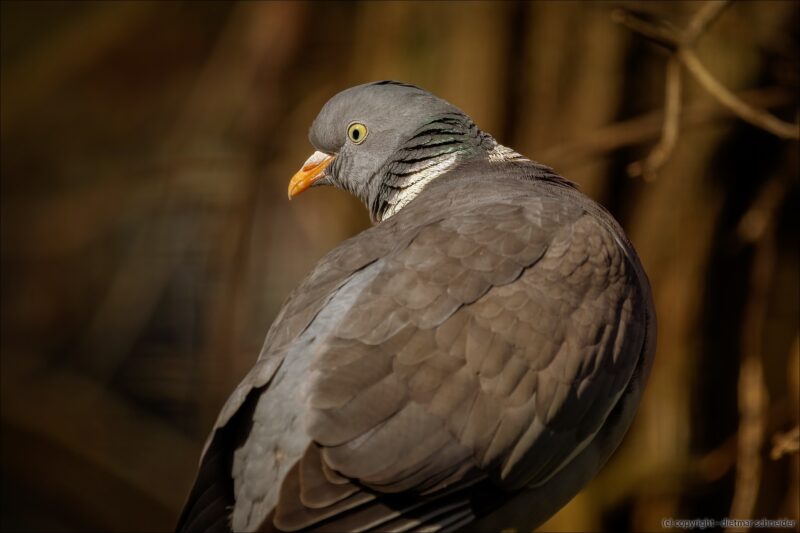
x,y
467,363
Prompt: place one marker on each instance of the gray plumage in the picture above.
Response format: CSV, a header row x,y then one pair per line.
x,y
471,361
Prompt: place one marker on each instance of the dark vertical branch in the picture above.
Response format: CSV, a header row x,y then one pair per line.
x,y
270,52
515,73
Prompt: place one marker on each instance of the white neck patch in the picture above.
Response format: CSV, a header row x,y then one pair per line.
x,y
498,154
423,177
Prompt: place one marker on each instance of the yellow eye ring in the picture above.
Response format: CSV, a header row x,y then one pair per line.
x,y
357,132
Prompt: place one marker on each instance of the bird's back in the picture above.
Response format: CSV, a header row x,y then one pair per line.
x,y
489,340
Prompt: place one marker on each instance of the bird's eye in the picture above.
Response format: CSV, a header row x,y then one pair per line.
x,y
357,132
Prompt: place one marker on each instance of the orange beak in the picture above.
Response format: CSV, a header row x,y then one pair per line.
x,y
311,172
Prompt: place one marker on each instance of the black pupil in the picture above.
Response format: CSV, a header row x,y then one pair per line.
x,y
356,134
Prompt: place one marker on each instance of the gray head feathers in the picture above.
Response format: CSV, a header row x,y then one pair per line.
x,y
390,139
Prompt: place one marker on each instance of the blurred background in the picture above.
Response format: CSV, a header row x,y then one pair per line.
x,y
147,242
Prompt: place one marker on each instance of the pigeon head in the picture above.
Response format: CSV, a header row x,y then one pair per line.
x,y
384,141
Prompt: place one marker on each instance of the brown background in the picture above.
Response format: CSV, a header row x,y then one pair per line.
x,y
147,242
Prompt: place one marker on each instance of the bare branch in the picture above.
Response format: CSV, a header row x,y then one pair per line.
x,y
681,44
752,389
752,408
660,33
755,116
648,126
703,19
671,125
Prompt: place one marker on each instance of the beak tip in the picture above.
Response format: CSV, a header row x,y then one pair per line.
x,y
311,172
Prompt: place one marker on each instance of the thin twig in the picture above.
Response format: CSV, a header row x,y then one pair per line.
x,y
785,443
670,127
757,117
663,33
703,19
719,461
660,32
755,222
